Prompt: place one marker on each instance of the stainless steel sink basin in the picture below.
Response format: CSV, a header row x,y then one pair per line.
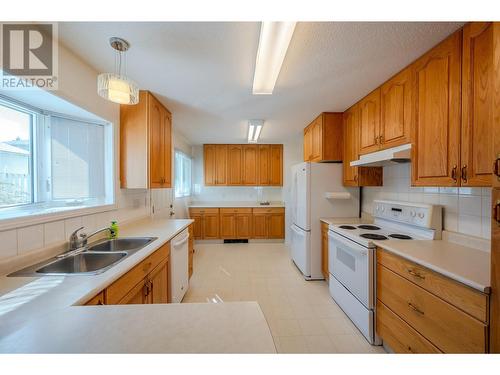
x,y
121,244
82,263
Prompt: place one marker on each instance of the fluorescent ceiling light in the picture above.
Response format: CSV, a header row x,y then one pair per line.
x,y
254,129
273,44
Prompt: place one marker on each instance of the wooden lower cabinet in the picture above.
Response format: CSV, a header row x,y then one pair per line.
x,y
324,250
191,249
206,223
97,300
259,221
429,310
269,223
158,284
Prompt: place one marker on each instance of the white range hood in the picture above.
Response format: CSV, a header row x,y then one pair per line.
x,y
399,154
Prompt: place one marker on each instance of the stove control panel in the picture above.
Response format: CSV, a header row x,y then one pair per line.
x,y
422,215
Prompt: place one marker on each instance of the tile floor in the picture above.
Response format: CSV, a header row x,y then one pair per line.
x,y
301,314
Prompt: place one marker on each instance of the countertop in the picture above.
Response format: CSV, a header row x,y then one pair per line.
x,y
234,204
345,220
464,264
24,301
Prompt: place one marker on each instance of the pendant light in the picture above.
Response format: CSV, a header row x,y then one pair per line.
x,y
116,87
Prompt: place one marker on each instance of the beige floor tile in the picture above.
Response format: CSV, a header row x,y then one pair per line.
x,y
320,344
284,327
311,327
291,344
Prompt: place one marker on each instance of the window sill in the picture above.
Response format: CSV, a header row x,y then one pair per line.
x,y
25,216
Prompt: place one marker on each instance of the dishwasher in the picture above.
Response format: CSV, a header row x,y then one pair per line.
x,y
179,279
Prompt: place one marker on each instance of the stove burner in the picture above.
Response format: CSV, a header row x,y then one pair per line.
x,y
369,227
400,236
373,236
350,227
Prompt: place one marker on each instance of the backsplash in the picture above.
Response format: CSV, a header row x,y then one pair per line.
x,y
465,210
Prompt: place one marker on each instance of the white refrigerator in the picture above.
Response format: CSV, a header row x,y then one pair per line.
x,y
310,184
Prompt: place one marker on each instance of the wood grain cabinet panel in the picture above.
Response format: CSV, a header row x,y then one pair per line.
x,y
437,84
145,144
227,224
276,165
244,225
158,284
477,105
191,250
98,299
215,164
234,163
264,167
259,225
323,138
396,110
324,250
369,122
250,165
308,144
211,226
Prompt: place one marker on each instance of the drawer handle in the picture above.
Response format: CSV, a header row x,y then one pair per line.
x,y
496,212
416,274
415,308
496,167
454,173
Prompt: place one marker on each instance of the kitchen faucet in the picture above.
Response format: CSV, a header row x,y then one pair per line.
x,y
76,243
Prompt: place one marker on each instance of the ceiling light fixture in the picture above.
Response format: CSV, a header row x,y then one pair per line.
x,y
254,129
273,44
116,87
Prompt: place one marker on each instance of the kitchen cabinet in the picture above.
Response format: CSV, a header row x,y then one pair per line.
x,y
244,224
145,144
215,162
235,223
324,250
436,130
369,122
243,165
356,176
433,311
191,249
260,225
269,223
227,223
158,284
477,105
323,138
99,299
206,223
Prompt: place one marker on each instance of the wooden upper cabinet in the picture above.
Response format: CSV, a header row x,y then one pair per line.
x,y
396,110
369,122
145,144
351,118
264,167
250,164
276,165
235,159
323,138
437,84
477,105
215,162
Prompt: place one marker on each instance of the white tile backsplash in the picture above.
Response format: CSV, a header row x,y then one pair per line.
x,y
466,210
54,232
30,238
8,243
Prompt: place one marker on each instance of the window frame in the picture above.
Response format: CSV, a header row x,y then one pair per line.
x,y
42,208
185,156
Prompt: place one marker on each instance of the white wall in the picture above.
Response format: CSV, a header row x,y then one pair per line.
x,y
181,204
465,210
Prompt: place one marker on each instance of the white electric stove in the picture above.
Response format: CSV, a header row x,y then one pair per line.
x,y
352,255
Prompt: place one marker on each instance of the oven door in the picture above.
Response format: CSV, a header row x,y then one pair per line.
x,y
352,265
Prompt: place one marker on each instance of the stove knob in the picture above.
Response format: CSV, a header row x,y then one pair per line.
x,y
421,215
413,213
382,208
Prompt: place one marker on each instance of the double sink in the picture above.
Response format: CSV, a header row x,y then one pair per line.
x,y
91,260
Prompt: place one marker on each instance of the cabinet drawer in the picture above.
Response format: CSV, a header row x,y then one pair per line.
x,y
465,298
119,289
200,211
235,210
450,329
398,335
271,210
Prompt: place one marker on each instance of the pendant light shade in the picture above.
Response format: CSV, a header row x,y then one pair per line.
x,y
117,87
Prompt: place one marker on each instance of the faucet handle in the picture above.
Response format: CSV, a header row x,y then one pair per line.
x,y
73,239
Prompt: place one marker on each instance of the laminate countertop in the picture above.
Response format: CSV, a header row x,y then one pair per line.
x,y
464,264
42,314
234,204
345,220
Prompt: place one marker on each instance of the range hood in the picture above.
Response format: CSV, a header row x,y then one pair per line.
x,y
399,154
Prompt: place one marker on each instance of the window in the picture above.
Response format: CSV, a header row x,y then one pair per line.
x,y
182,175
49,162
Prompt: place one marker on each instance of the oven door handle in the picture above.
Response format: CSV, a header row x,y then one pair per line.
x,y
348,244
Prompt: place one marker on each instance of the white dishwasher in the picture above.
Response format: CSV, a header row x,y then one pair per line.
x,y
179,279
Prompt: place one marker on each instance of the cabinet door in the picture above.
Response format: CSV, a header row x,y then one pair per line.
x,y
167,148
396,110
197,226
221,164
276,225
243,226
308,143
210,226
227,225
350,119
209,164
158,292
260,227
276,165
156,143
369,128
234,165
250,165
317,139
264,168
477,105
437,77
96,300
136,296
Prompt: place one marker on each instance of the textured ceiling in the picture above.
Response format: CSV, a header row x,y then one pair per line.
x,y
203,72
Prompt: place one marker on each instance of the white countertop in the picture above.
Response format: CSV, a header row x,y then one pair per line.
x,y
234,204
345,220
27,300
464,264
237,327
